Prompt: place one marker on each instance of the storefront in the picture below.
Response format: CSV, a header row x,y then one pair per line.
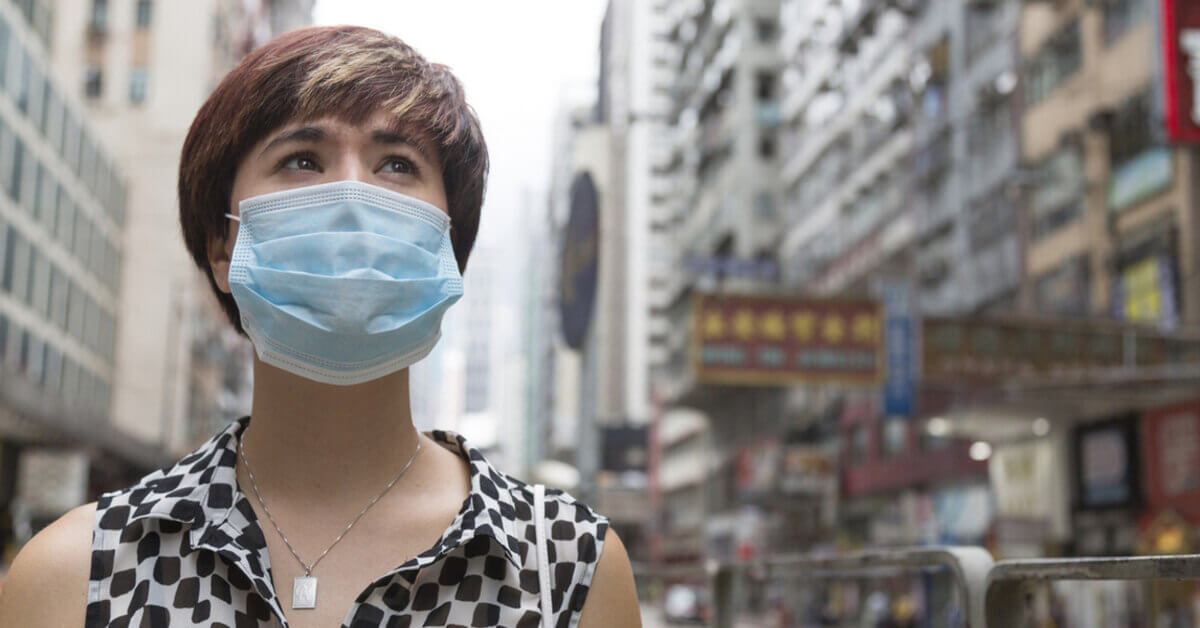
x,y
1030,485
1171,448
1107,487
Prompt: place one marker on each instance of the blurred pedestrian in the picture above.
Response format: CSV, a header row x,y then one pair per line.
x,y
330,190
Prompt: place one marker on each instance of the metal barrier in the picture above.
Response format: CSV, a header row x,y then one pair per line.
x,y
1005,581
992,592
969,567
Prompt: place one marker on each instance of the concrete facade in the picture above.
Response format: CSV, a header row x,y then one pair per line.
x,y
716,170
1083,111
144,68
63,211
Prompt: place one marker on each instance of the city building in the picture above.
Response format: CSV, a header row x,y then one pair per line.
x,y
717,228
552,391
1113,211
143,68
1111,216
63,226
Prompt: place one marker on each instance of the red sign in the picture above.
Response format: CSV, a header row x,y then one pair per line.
x,y
1171,442
1181,50
777,342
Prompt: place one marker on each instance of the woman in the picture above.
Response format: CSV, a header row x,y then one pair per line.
x,y
330,190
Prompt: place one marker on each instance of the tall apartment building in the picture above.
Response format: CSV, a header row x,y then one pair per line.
x,y
144,67
1114,210
717,178
552,379
63,220
899,134
847,139
965,157
901,167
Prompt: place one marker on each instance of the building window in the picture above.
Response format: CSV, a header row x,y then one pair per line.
x,y
18,83
13,179
1120,15
4,36
1134,129
137,85
1064,291
1059,58
765,29
99,17
93,82
64,228
765,85
8,259
989,133
46,110
145,11
766,147
984,25
992,219
83,238
1058,193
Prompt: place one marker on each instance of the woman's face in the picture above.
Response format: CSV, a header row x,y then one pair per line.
x,y
327,150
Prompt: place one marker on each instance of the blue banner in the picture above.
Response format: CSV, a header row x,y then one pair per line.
x,y
899,386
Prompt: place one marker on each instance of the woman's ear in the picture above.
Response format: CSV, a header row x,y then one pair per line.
x,y
220,251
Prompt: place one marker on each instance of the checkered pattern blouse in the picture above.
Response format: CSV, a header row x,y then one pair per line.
x,y
182,547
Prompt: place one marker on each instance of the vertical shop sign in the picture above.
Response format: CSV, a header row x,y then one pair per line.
x,y
900,345
1171,442
1181,64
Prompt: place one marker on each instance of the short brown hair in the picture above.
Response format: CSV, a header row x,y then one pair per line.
x,y
345,71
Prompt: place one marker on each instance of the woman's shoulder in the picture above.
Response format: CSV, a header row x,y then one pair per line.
x,y
510,498
566,516
590,566
49,571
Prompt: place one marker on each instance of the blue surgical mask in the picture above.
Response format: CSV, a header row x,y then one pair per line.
x,y
342,282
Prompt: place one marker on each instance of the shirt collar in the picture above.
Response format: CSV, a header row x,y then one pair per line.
x,y
201,492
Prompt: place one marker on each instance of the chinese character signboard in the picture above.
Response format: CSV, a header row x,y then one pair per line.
x,y
777,342
986,349
1171,442
1181,65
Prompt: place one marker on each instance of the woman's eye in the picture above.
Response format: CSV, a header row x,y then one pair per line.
x,y
299,162
399,165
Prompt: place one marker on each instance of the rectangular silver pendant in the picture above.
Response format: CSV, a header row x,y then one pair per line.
x,y
304,592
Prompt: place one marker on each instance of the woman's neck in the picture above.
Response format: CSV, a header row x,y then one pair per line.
x,y
311,443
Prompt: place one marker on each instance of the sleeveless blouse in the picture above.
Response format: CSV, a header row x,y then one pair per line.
x,y
182,547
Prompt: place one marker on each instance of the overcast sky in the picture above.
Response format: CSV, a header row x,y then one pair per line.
x,y
515,59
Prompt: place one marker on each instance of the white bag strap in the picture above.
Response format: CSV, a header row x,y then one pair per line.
x,y
539,527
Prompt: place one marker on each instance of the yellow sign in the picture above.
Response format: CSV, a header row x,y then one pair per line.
x,y
1143,301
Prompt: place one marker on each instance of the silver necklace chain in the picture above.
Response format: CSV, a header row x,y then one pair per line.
x,y
307,567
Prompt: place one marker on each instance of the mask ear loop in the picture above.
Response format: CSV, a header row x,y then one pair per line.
x,y
232,217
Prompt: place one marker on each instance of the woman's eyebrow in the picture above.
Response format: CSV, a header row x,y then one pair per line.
x,y
302,134
389,136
